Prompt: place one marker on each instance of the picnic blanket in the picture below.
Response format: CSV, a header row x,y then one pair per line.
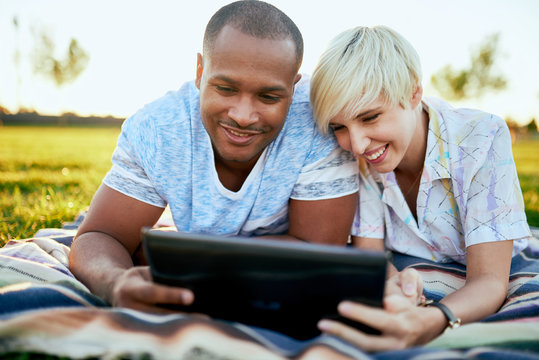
x,y
44,309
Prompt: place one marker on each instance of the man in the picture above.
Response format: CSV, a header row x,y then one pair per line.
x,y
235,152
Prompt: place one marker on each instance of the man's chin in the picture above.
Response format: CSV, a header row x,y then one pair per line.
x,y
237,158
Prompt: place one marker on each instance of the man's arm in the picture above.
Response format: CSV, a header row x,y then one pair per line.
x,y
101,253
322,221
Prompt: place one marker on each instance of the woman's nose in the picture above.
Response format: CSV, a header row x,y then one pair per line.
x,y
359,141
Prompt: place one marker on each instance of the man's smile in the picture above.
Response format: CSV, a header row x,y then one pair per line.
x,y
239,136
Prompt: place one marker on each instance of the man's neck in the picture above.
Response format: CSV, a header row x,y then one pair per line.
x,y
233,174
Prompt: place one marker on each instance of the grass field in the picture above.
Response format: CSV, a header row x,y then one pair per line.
x,y
49,174
526,154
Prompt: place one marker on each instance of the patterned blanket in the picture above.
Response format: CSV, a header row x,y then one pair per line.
x,y
44,310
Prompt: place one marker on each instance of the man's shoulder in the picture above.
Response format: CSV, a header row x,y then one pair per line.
x,y
300,135
173,101
174,106
302,90
300,116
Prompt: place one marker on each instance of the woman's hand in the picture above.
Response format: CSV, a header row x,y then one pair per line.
x,y
401,322
407,283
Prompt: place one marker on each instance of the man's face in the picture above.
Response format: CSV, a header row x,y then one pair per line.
x,y
246,88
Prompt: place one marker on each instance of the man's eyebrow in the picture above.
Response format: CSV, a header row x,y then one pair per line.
x,y
225,79
276,88
366,112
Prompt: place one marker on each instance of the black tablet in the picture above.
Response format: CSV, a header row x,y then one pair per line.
x,y
286,286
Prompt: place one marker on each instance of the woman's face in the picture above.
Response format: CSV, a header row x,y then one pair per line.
x,y
381,134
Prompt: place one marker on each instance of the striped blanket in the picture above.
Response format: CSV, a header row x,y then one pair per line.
x,y
44,310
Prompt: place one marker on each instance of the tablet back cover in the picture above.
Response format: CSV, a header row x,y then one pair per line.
x,y
281,285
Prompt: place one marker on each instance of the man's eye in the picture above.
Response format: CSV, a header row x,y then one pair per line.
x,y
224,89
269,98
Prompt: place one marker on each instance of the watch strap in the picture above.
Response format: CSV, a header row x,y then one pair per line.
x,y
453,321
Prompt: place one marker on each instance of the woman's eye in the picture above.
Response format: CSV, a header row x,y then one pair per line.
x,y
371,118
336,127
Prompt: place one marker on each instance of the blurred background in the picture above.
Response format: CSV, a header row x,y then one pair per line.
x,y
135,51
71,71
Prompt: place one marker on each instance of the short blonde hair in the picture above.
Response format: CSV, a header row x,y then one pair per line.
x,y
359,66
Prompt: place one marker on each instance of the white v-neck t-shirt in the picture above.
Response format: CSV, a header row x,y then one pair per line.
x,y
164,156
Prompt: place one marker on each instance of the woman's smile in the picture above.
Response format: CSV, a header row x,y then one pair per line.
x,y
377,155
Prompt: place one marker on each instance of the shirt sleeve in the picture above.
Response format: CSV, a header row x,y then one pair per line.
x,y
330,177
369,218
129,159
495,207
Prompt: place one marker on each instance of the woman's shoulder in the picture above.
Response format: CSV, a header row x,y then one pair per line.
x,y
467,127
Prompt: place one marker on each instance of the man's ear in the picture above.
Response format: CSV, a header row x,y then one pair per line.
x,y
298,78
416,96
200,69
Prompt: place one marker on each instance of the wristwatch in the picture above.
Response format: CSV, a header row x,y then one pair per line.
x,y
453,322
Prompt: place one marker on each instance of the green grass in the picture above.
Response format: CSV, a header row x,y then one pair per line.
x,y
526,154
48,175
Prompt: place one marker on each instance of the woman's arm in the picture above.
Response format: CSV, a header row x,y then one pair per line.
x,y
487,278
402,324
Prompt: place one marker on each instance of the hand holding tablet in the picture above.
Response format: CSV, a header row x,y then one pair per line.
x,y
280,285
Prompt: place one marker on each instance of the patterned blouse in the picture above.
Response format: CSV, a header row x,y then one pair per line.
x,y
469,191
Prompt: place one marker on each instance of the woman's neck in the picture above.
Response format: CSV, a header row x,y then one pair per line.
x,y
412,162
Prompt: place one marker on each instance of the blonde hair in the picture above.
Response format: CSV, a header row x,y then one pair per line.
x,y
359,66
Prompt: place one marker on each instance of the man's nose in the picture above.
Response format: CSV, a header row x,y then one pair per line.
x,y
244,111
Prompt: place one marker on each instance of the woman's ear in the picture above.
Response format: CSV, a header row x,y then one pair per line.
x,y
416,96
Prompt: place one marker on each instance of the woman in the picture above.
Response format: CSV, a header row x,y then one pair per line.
x,y
436,182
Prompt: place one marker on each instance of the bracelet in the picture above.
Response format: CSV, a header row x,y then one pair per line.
x,y
453,321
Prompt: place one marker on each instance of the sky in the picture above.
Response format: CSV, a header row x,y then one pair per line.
x,y
139,50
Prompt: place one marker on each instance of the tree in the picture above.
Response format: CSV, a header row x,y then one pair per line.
x,y
475,81
61,71
532,126
17,59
